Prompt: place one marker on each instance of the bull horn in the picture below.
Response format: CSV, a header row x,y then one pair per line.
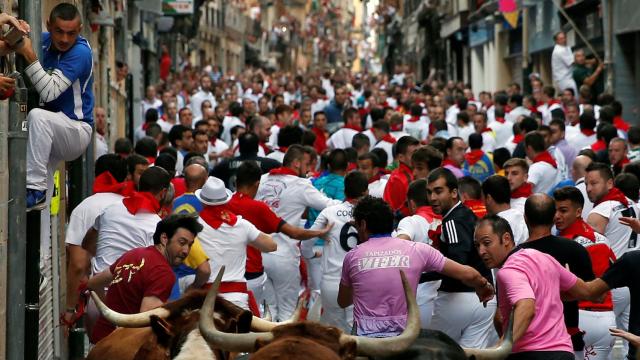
x,y
267,313
219,339
380,347
315,310
263,325
497,353
128,320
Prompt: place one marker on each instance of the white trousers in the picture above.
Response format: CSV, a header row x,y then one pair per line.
x,y
257,287
597,339
314,271
237,298
621,307
426,296
283,285
53,137
463,317
332,313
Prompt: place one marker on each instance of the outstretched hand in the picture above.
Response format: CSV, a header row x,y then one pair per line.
x,y
631,222
632,339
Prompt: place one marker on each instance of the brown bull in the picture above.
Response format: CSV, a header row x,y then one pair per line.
x,y
171,331
313,341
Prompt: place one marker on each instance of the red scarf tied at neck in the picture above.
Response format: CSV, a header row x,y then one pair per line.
x,y
106,183
579,228
473,156
216,215
545,157
614,195
141,201
414,119
501,120
389,138
524,191
450,162
517,139
352,127
283,171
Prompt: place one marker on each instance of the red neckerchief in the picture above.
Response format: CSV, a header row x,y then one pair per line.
x,y
533,110
352,127
552,102
623,162
283,171
587,132
427,213
213,141
106,183
146,125
396,127
352,166
579,228
524,191
473,156
477,206
264,147
488,129
141,201
599,145
374,178
434,236
545,157
517,139
501,120
613,195
414,119
389,138
448,161
283,149
507,109
214,216
620,124
151,159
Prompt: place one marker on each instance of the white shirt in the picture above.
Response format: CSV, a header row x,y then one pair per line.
x,y
561,70
581,141
276,155
227,245
465,131
146,105
518,204
219,147
341,139
84,215
563,169
273,138
503,132
545,110
119,232
543,176
515,113
228,123
388,148
376,188
622,238
198,98
488,141
417,228
319,105
289,196
588,205
101,147
451,115
372,138
516,220
341,238
165,125
418,129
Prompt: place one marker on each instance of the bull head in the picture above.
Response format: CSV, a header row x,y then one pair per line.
x,y
500,352
365,346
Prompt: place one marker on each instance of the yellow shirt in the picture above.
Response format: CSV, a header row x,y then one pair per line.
x,y
196,255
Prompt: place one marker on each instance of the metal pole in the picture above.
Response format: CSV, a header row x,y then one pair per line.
x,y
526,85
575,27
32,288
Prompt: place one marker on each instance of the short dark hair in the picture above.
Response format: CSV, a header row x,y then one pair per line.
x,y
248,173
382,156
633,135
604,170
64,11
360,140
123,146
114,164
151,115
450,179
498,187
294,152
349,113
470,186
154,180
475,141
535,140
451,141
607,113
516,98
355,185
402,145
500,156
376,213
176,133
282,109
587,121
606,132
167,162
629,184
528,124
235,109
153,130
498,224
199,123
146,147
337,160
427,155
559,123
248,144
418,192
134,160
570,193
519,162
370,156
173,222
539,210
381,125
289,135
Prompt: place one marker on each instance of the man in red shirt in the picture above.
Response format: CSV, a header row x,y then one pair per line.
x,y
264,219
142,278
395,193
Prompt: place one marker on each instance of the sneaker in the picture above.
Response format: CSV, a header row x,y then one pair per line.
x,y
36,199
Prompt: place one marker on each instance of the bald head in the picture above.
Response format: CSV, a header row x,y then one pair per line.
x,y
578,170
195,176
539,210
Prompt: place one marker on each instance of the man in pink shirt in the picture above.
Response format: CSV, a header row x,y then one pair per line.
x,y
371,277
530,282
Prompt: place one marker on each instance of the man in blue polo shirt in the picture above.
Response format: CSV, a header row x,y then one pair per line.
x,y
61,128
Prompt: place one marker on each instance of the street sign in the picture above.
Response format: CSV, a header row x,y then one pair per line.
x,y
177,7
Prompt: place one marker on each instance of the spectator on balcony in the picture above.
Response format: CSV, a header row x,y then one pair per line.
x,y
561,64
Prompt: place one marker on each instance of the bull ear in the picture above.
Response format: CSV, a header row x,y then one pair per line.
x,y
162,329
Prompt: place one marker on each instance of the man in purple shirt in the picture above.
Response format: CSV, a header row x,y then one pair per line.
x,y
370,276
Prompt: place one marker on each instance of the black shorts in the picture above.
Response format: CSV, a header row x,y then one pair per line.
x,y
542,355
